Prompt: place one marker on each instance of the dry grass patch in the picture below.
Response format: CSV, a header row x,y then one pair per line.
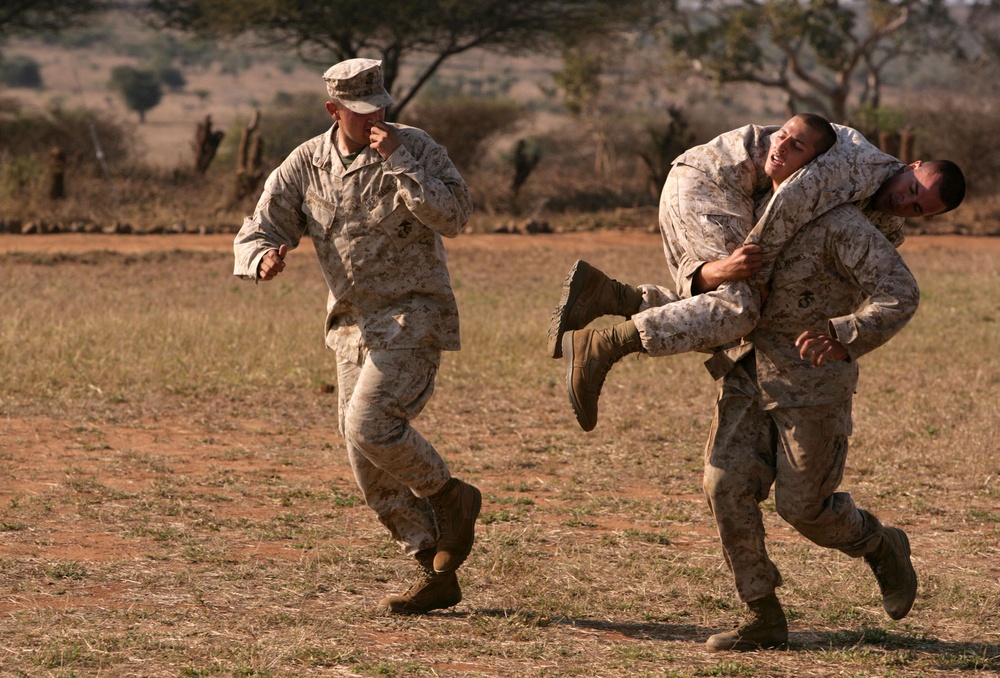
x,y
178,503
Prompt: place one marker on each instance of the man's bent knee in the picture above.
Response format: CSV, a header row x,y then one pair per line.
x,y
367,432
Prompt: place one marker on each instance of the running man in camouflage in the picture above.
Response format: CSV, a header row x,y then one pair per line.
x,y
376,197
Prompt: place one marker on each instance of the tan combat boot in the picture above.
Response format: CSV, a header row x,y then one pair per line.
x,y
430,591
456,507
588,294
892,567
764,627
588,355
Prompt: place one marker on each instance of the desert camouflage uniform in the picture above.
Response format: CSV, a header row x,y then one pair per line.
x,y
376,227
707,211
781,421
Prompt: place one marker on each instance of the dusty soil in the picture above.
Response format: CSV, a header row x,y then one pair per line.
x,y
61,450
47,437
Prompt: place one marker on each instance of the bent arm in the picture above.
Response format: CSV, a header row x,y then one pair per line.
x,y
870,261
277,221
743,263
430,185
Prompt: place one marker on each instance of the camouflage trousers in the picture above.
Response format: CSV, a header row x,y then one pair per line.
x,y
678,323
380,391
698,323
801,451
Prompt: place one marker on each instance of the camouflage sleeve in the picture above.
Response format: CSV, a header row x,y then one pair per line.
x,y
866,258
687,268
429,183
277,219
851,170
889,226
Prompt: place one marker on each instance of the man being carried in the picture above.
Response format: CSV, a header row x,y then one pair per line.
x,y
709,238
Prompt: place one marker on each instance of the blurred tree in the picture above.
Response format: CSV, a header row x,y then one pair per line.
x,y
398,30
141,90
668,138
172,77
981,23
46,16
579,83
525,156
20,71
815,51
464,124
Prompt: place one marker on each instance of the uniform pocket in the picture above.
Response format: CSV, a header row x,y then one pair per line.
x,y
319,209
794,268
402,227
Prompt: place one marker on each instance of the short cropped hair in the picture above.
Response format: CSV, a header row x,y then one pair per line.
x,y
952,182
822,126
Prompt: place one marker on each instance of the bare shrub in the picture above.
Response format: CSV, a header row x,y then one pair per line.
x,y
288,121
73,130
464,125
20,71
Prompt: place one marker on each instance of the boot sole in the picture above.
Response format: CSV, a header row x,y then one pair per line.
x,y
567,351
406,608
744,646
571,288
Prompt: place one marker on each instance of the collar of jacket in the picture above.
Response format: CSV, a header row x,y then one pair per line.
x,y
327,157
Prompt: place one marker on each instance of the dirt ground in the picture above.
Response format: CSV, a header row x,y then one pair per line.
x,y
48,436
194,450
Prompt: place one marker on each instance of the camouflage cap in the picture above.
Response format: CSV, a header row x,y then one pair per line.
x,y
358,85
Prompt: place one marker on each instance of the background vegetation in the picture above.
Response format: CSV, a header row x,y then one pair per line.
x,y
553,127
176,501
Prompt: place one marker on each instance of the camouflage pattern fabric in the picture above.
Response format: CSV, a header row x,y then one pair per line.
x,y
396,468
801,451
839,276
852,170
707,209
376,228
781,421
693,230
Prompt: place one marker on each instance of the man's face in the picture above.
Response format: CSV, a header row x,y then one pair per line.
x,y
355,127
912,192
792,146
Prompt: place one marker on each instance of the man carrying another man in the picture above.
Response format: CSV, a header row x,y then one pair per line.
x,y
706,214
839,290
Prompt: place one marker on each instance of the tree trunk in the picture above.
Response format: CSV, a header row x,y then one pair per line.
x,y
57,174
248,161
206,143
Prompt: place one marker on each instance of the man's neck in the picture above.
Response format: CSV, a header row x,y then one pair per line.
x,y
344,144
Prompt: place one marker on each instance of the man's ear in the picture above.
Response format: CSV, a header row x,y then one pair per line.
x,y
913,165
331,108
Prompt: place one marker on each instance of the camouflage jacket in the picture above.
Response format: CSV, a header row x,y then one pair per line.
x,y
377,229
852,170
840,276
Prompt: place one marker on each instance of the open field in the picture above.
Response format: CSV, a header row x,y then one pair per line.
x,y
176,500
